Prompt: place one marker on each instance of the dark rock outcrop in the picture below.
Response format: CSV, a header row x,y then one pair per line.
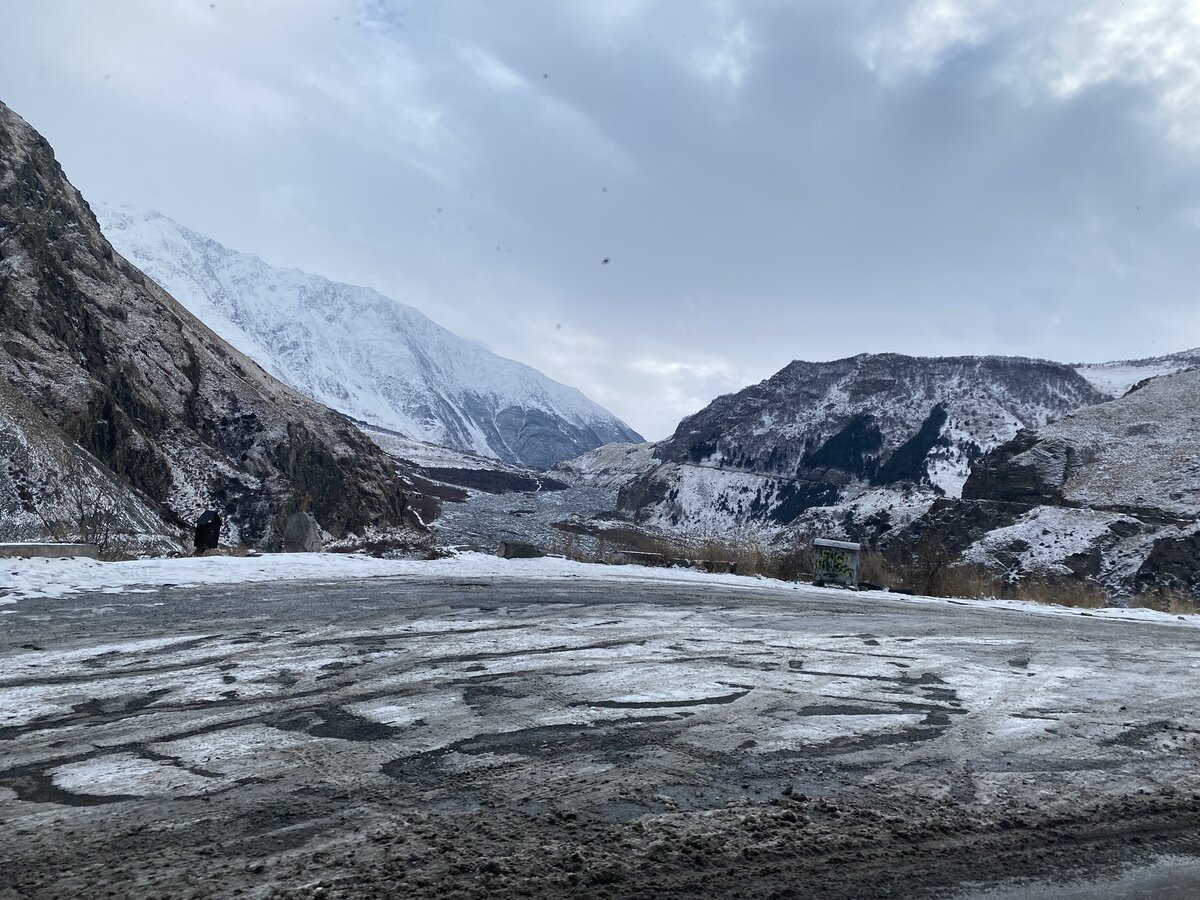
x,y
1024,470
1173,563
952,526
168,410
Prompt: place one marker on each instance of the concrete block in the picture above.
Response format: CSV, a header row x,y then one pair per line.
x,y
518,550
50,551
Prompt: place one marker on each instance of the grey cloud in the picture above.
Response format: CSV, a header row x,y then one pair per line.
x,y
770,180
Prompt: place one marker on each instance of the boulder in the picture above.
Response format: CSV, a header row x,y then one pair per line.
x,y
301,534
519,550
1027,469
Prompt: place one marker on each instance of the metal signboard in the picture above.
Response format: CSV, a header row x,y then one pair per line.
x,y
835,562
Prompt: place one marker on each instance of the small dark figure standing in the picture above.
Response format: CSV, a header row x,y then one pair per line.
x,y
208,531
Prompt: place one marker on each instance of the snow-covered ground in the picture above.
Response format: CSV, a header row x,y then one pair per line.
x,y
52,578
434,455
611,466
307,732
22,578
529,516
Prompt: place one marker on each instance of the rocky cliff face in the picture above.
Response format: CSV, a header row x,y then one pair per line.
x,y
877,437
1136,455
1111,492
102,366
364,354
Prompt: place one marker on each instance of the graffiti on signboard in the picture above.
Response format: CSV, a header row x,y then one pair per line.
x,y
834,565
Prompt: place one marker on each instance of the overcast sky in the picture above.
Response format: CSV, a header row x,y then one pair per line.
x,y
770,179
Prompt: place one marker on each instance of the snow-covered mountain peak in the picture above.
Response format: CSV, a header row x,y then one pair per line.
x,y
360,352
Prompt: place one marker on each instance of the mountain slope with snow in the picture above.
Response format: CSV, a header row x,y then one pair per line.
x,y
1111,492
876,436
1116,378
111,391
362,353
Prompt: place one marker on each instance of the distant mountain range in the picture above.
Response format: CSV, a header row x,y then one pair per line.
x,y
876,436
1018,465
364,354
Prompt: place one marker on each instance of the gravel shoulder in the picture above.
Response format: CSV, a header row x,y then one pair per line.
x,y
507,737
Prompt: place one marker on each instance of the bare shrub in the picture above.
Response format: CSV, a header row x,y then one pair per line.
x,y
790,565
924,573
873,569
91,510
745,556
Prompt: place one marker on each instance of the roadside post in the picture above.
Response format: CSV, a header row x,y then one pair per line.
x,y
208,531
835,562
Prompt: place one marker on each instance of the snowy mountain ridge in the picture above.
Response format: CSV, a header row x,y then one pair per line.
x,y
1117,377
830,444
364,354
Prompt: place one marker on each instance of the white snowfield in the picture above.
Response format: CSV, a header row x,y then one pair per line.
x,y
1116,378
55,578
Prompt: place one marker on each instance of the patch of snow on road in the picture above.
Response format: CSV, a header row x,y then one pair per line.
x,y
124,773
820,729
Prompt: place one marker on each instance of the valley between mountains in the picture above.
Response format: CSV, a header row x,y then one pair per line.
x,y
353,695
205,378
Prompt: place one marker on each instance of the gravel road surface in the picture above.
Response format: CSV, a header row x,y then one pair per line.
x,y
419,737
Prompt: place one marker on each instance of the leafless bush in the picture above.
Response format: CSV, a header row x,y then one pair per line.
x,y
790,565
968,581
83,505
927,569
873,568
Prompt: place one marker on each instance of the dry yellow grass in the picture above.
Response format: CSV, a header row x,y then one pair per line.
x,y
1169,600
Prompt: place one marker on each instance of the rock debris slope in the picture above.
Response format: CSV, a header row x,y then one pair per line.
x,y
860,444
101,366
364,354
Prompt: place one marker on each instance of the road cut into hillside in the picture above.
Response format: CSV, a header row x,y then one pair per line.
x,y
431,735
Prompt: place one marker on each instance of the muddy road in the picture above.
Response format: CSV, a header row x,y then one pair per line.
x,y
414,737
